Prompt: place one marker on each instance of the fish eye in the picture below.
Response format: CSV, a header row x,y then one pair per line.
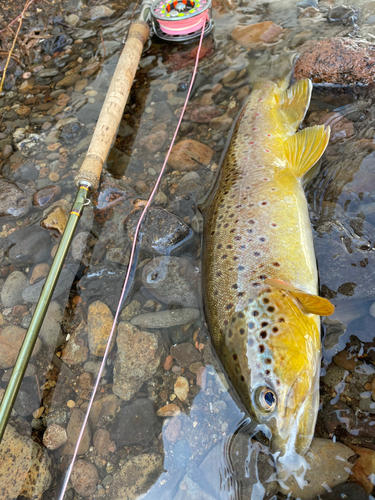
x,y
266,399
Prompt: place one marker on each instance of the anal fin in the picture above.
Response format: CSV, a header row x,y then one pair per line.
x,y
305,148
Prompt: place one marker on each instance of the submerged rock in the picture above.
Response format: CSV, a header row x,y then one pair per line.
x,y
11,293
173,280
32,246
99,325
342,61
102,283
26,469
328,466
32,292
54,437
138,358
136,477
256,35
142,424
166,319
162,230
190,155
13,201
73,429
85,477
11,339
45,196
50,331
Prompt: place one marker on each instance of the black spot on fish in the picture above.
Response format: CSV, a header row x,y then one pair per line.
x,y
225,322
240,268
268,361
232,230
235,257
251,325
242,331
216,293
264,323
273,224
267,372
261,348
281,320
237,238
230,333
241,315
256,254
275,329
270,309
231,215
266,301
251,221
256,284
229,246
229,306
218,273
233,320
240,294
242,378
262,277
219,246
277,382
276,264
263,334
255,313
224,256
235,357
264,203
262,240
226,225
235,286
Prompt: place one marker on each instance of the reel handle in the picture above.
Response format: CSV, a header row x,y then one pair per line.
x,y
113,106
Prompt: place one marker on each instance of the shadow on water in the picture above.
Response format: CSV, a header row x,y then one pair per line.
x,y
165,423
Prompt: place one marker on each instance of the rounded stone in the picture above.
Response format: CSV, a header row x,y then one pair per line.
x,y
54,437
84,478
11,339
15,284
45,196
99,325
190,155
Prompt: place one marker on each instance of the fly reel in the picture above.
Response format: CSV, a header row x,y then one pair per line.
x,y
181,20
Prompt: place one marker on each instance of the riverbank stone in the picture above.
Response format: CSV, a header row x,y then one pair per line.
x,y
11,293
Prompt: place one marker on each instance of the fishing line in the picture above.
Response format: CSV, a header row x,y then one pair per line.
x,y
128,275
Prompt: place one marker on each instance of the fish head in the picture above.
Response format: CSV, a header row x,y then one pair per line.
x,y
272,356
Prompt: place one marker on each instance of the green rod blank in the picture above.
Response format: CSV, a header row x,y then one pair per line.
x,y
32,333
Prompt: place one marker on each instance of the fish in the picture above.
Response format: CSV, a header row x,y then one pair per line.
x,y
260,281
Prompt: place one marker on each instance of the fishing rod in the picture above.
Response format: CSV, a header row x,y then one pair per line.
x,y
171,20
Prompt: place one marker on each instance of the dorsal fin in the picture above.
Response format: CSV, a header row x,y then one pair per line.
x,y
293,104
305,148
308,303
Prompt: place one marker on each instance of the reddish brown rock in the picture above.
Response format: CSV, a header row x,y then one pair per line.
x,y
364,468
345,360
190,155
256,35
102,442
170,410
11,339
342,61
84,478
54,437
73,429
341,128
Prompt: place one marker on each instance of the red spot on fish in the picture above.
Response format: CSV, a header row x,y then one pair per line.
x,y
269,135
257,114
267,151
251,143
260,99
255,128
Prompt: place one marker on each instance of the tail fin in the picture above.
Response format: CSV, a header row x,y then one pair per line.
x,y
305,148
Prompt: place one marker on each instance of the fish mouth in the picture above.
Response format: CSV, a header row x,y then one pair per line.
x,y
293,431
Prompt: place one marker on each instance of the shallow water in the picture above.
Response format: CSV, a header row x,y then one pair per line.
x,y
200,447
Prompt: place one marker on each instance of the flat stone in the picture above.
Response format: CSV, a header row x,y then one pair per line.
x,y
13,201
48,73
185,354
102,442
79,245
84,478
169,410
54,437
138,357
67,81
90,69
154,142
136,477
26,469
190,155
40,271
66,121
256,35
163,231
73,429
342,61
100,11
173,280
103,409
11,293
99,325
32,292
166,319
32,245
75,351
221,123
45,196
364,469
141,424
55,220
329,466
181,388
189,489
11,339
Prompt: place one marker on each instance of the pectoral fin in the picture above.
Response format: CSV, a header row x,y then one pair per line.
x,y
309,303
305,148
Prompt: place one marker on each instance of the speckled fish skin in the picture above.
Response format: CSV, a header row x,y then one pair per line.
x,y
257,228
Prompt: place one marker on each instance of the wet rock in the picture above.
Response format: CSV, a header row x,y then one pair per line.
x,y
67,81
329,467
130,310
102,442
163,231
256,35
40,271
138,358
75,351
26,172
345,360
44,197
249,468
79,245
71,133
31,293
54,437
166,319
51,332
221,123
25,468
27,399
117,162
84,478
56,219
185,354
55,43
73,429
172,280
169,410
13,201
136,477
343,14
7,151
342,61
181,388
91,69
11,293
11,339
345,491
190,155
32,245
154,142
362,328
364,468
99,325
341,128
104,408
141,424
100,11
125,130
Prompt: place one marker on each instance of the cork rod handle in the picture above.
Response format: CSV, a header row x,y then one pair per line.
x,y
113,106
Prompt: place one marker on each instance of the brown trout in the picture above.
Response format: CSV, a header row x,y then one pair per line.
x,y
259,268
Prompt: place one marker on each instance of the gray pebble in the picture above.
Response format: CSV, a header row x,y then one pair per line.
x,y
32,292
15,284
166,319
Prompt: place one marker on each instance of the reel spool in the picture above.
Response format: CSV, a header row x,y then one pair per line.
x,y
181,20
